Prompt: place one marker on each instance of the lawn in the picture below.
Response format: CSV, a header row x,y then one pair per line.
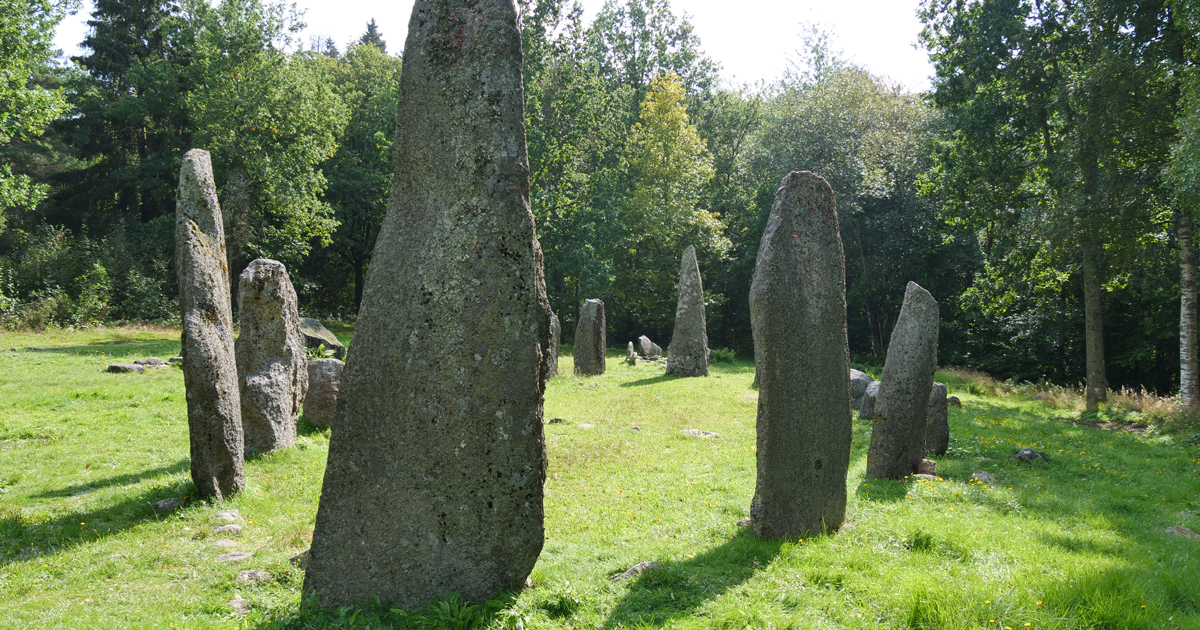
x,y
1078,542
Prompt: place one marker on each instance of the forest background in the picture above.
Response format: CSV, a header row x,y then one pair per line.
x,y
1043,190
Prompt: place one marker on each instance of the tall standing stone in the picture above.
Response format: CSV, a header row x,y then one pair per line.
x,y
802,362
271,361
898,433
555,344
324,383
687,354
937,421
209,367
437,459
590,340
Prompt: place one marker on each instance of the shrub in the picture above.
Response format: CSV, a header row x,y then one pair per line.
x,y
723,355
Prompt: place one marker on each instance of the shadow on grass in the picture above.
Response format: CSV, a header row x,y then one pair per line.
x,y
882,490
131,349
678,587
444,612
652,380
118,480
22,538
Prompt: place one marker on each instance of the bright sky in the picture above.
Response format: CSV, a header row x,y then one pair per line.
x,y
752,43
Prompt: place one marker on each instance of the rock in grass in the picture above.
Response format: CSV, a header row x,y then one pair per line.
x,y
636,570
555,344
209,367
232,530
866,410
324,384
983,477
687,354
697,433
858,387
224,543
119,368
650,350
174,360
1029,455
927,467
631,355
271,362
898,432
150,361
317,335
1179,530
590,339
168,504
234,556
937,421
250,576
240,606
953,401
925,477
437,460
802,362
230,516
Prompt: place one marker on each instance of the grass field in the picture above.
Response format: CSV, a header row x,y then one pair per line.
x,y
1078,542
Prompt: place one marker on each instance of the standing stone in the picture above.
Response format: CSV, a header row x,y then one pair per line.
x,y
271,362
209,367
802,362
590,339
937,421
649,349
687,354
437,459
631,355
867,410
859,381
555,343
324,383
898,434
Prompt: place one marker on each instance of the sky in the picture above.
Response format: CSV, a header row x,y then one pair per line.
x,y
753,43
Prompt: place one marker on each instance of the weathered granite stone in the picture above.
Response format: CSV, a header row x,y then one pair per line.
x,y
555,344
631,355
937,421
687,354
590,339
858,387
898,433
272,376
802,360
209,367
150,361
866,410
317,335
1029,455
324,383
119,368
649,349
636,570
437,459
983,477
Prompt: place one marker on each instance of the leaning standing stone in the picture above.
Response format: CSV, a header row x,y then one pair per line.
x,y
937,421
436,459
898,434
590,339
324,383
649,349
802,362
209,367
687,354
631,355
555,343
272,375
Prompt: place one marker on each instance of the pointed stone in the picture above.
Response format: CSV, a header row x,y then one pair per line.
x,y
209,367
937,421
590,340
802,362
271,361
436,459
649,349
898,432
687,354
631,355
555,344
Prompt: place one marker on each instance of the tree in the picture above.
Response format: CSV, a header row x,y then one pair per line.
x,y
26,28
1184,171
372,37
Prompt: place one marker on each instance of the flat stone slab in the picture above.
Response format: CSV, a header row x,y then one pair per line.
x,y
234,556
636,570
230,516
700,434
924,477
233,530
224,543
168,504
122,368
239,605
1180,530
250,576
983,477
150,361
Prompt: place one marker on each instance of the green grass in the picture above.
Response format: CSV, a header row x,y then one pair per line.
x,y
1074,543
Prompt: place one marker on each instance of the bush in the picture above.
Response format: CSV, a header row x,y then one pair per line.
x,y
723,355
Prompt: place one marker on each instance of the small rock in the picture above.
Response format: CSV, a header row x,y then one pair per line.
x,y
224,543
228,529
234,556
230,516
529,582
1180,530
953,401
239,605
700,434
150,361
116,556
120,368
636,570
168,504
299,560
250,576
927,467
1029,455
925,477
636,428
983,477
556,421
744,523
587,426
175,360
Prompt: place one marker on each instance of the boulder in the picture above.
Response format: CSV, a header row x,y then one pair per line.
x,y
802,363
1029,455
316,335
119,368
324,383
858,387
650,350
210,374
983,477
687,354
898,432
937,421
867,410
590,341
272,376
434,481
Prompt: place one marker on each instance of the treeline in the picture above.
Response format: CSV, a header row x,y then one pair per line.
x,y
1041,191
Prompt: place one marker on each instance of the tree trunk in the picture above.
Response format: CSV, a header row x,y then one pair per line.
x,y
1097,384
1188,360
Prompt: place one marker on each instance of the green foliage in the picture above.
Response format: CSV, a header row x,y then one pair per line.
x,y
320,352
723,355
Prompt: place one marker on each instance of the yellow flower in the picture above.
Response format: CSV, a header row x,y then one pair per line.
x,y
987,601
1039,602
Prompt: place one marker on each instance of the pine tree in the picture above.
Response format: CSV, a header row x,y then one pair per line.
x,y
372,36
